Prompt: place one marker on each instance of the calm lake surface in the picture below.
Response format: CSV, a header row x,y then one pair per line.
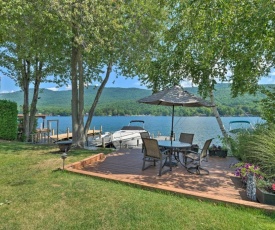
x,y
203,127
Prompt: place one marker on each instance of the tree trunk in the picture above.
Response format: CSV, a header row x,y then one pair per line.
x,y
77,85
220,123
38,77
74,102
80,131
217,115
24,84
98,94
77,97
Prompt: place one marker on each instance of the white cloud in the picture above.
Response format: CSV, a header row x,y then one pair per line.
x,y
68,87
187,83
5,91
53,89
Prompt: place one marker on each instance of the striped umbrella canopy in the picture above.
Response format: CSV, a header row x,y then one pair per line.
x,y
175,96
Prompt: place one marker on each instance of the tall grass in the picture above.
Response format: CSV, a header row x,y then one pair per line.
x,y
258,147
35,194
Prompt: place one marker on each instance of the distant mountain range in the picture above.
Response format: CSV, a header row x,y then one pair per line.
x,y
123,101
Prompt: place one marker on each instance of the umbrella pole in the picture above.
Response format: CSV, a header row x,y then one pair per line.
x,y
172,131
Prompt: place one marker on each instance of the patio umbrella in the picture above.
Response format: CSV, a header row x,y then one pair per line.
x,y
175,96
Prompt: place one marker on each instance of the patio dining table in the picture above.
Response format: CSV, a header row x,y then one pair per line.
x,y
172,146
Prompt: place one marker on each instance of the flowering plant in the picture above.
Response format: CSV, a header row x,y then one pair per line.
x,y
268,186
271,189
243,169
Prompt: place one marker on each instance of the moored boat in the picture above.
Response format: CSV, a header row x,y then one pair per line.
x,y
240,126
104,139
128,136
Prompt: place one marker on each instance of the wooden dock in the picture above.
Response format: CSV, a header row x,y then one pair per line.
x,y
69,135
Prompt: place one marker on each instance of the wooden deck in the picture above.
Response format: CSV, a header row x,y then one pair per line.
x,y
125,165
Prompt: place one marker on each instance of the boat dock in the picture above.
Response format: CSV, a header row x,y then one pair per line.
x,y
48,136
69,135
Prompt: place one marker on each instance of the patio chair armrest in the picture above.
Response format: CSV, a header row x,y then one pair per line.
x,y
191,151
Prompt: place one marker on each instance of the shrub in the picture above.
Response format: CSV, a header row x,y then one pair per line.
x,y
8,120
266,185
258,147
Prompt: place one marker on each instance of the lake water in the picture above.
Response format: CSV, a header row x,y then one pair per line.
x,y
203,127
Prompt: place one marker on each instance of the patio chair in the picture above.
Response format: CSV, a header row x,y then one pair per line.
x,y
197,158
144,135
186,138
153,154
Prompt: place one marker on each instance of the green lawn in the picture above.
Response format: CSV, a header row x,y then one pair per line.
x,y
35,195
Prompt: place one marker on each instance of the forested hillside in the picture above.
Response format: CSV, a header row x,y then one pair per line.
x,y
123,101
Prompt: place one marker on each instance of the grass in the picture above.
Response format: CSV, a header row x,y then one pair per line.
x,y
35,195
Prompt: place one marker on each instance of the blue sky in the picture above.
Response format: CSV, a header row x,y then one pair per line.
x,y
8,85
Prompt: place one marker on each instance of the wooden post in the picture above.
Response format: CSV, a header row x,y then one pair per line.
x,y
68,130
103,143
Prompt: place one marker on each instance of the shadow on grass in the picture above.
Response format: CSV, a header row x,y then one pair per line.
x,y
11,147
15,147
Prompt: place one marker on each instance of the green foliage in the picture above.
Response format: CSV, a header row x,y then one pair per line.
x,y
8,120
266,185
268,104
123,101
206,41
258,147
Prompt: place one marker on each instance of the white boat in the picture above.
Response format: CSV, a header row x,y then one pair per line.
x,y
128,136
104,139
240,126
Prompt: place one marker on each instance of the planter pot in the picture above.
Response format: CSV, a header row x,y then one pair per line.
x,y
218,153
265,197
195,148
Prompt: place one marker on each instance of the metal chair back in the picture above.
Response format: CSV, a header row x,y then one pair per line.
x,y
144,135
151,148
204,150
187,138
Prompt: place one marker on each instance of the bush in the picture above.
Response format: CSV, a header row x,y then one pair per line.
x,y
8,120
258,147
